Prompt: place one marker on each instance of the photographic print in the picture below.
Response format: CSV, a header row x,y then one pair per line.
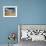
x,y
9,11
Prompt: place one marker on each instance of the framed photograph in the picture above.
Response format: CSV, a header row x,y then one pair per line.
x,y
9,11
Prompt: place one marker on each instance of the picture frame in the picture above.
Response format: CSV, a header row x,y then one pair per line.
x,y
9,11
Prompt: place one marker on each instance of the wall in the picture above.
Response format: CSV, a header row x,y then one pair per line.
x,y
29,12
7,25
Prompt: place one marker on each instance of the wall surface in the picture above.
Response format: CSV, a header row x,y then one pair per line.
x,y
29,12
